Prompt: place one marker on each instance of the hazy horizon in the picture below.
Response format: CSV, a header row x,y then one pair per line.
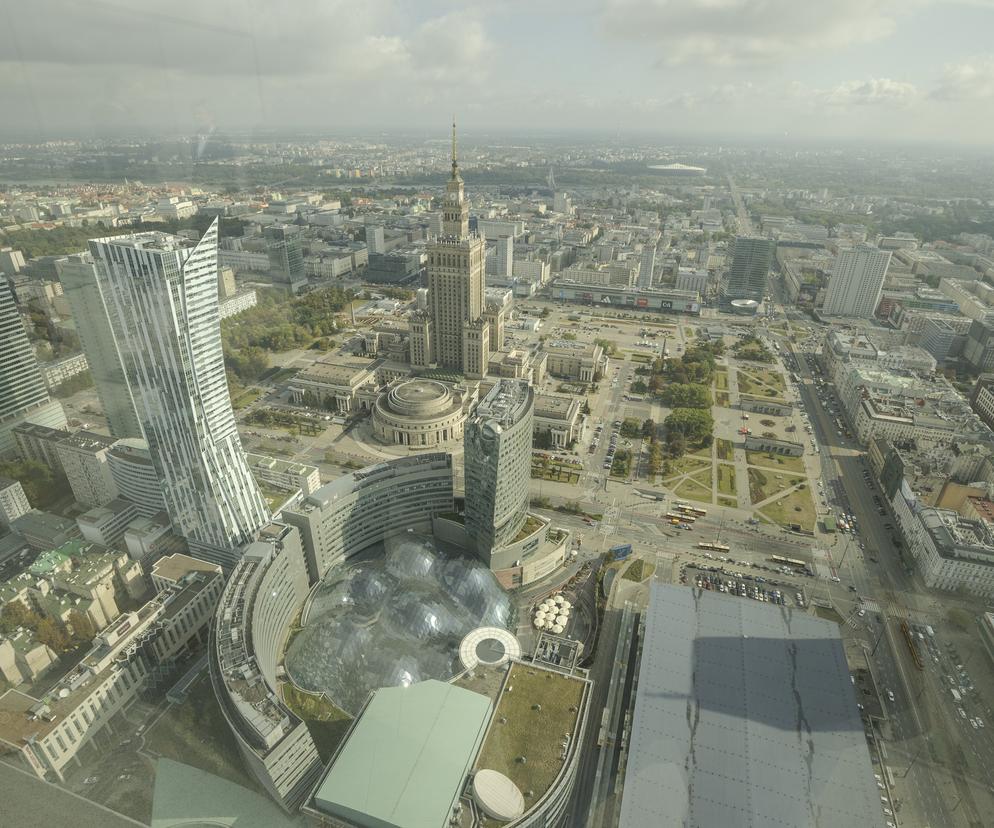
x,y
878,72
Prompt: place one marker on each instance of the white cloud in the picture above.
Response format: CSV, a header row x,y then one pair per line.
x,y
970,80
730,32
872,92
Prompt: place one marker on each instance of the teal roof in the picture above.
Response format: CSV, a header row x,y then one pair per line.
x,y
47,561
407,757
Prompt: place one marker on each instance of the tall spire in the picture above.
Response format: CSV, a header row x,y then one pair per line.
x,y
455,164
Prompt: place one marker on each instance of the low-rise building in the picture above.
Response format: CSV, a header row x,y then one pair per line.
x,y
57,372
284,474
141,649
105,525
23,657
237,303
559,416
772,446
332,382
575,360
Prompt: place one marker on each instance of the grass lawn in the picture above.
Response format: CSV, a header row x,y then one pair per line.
x,y
687,463
697,487
196,733
246,397
721,399
724,449
721,380
726,478
704,451
760,383
554,694
764,483
325,721
554,471
797,507
639,571
639,356
728,501
775,461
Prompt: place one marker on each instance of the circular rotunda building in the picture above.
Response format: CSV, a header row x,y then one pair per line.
x,y
419,413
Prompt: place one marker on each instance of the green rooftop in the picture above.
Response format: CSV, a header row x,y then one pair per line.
x,y
53,558
406,760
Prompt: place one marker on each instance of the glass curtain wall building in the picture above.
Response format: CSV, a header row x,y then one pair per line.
x,y
161,295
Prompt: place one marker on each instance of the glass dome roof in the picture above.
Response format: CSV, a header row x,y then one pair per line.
x,y
393,620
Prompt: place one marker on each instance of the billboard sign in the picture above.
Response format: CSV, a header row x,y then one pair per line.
x,y
621,551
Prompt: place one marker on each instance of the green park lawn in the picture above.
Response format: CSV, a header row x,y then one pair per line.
x,y
797,507
726,478
775,461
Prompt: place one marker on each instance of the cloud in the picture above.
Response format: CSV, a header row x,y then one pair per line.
x,y
732,32
970,80
872,92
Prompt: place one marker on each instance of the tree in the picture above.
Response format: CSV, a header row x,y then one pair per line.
x,y
52,634
542,440
15,615
639,386
630,427
40,484
676,443
81,627
648,429
695,424
690,395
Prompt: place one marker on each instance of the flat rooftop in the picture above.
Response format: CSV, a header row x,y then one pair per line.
x,y
744,715
404,763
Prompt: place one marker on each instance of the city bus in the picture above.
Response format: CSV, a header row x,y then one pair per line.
x,y
715,547
791,562
681,517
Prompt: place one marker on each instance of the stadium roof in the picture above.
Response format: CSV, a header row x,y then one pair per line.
x,y
405,761
744,715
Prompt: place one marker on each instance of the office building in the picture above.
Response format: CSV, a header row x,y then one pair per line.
x,y
647,264
498,440
23,394
978,349
856,283
750,268
134,474
11,261
13,501
374,239
982,399
286,255
166,326
459,336
79,283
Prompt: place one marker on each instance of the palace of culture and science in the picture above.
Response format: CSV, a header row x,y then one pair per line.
x,y
458,331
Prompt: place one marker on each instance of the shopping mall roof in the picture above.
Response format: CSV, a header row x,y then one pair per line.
x,y
404,763
744,715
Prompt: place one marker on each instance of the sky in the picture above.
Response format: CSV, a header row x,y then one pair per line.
x,y
881,71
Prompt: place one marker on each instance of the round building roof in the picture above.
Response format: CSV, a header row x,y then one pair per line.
x,y
489,646
419,398
497,796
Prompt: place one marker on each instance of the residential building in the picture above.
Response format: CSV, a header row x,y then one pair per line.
x,y
11,261
140,650
93,325
13,501
23,394
857,281
167,329
237,303
134,474
750,268
83,457
497,446
982,399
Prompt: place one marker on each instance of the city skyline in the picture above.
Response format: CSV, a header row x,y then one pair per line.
x,y
845,70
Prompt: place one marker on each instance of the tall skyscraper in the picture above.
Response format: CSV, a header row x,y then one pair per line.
x,y
647,265
164,313
505,257
23,394
456,283
750,268
286,255
90,314
497,447
857,281
374,239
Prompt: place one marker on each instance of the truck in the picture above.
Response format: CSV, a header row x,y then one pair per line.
x,y
956,695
